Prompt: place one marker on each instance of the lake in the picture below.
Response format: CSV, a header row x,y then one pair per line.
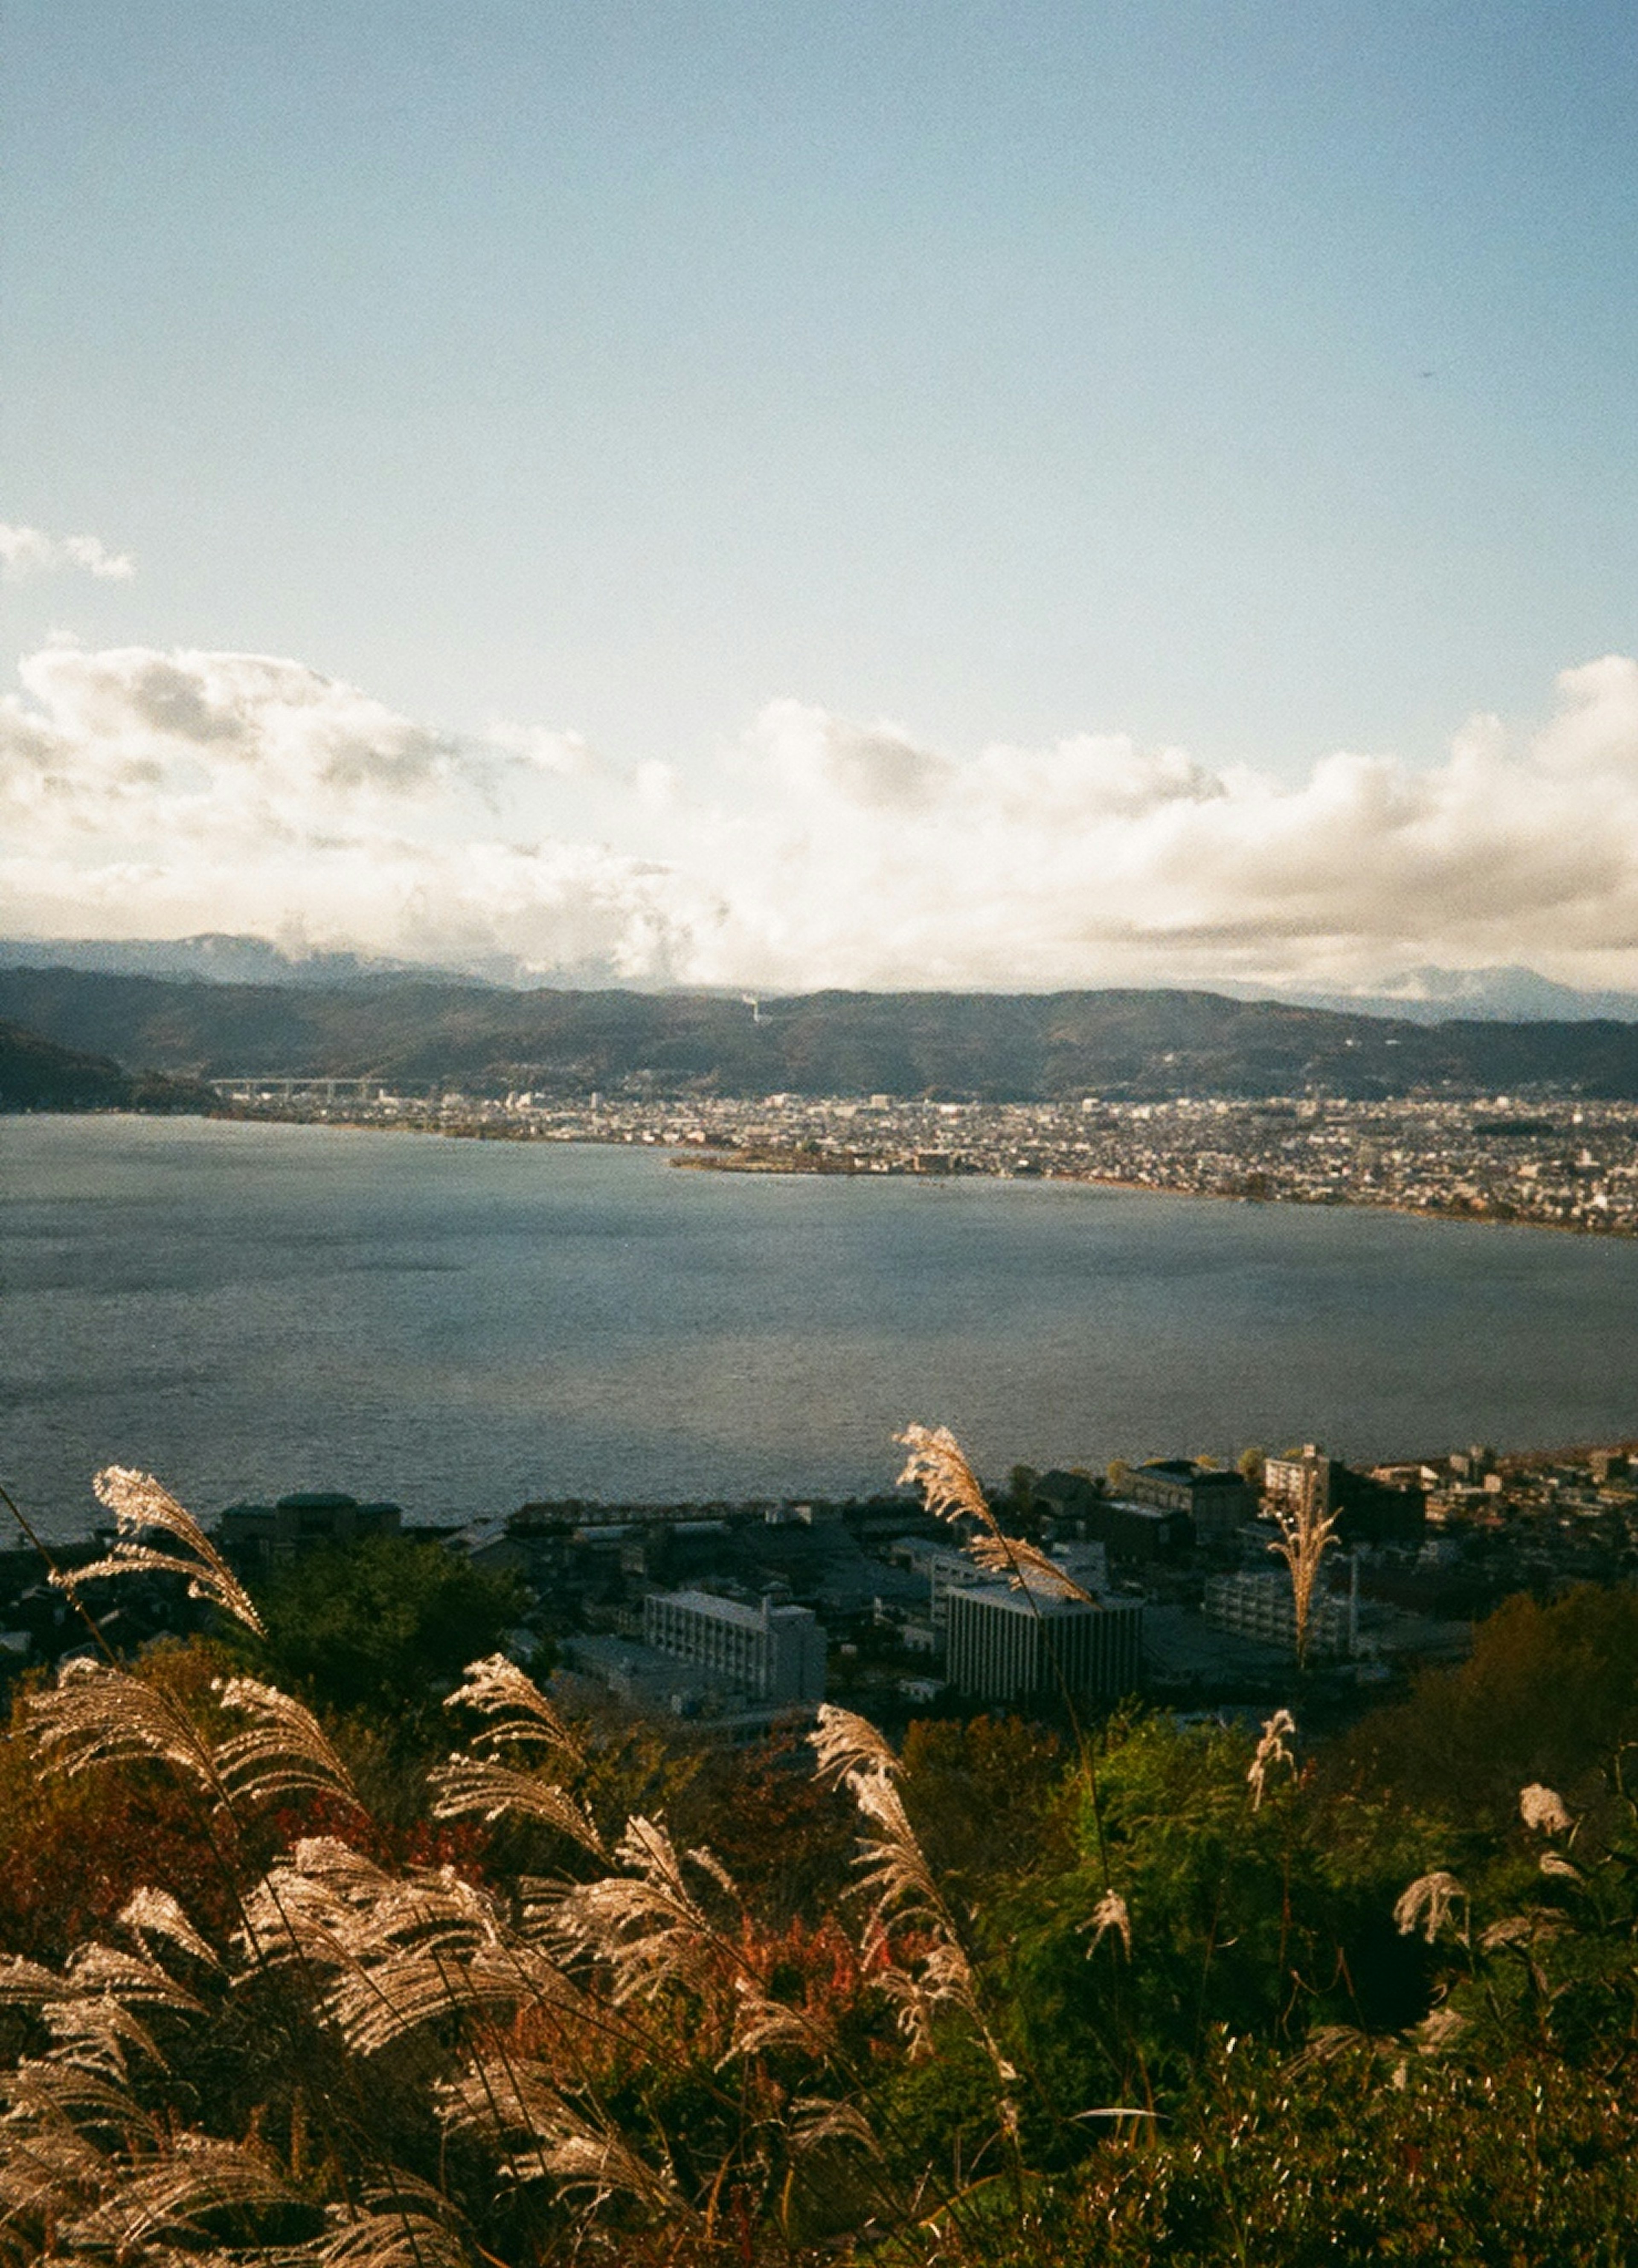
x,y
461,1326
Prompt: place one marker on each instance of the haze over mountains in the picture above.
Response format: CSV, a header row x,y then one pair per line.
x,y
419,1030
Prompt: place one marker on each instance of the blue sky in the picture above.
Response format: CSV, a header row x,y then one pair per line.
x,y
1257,381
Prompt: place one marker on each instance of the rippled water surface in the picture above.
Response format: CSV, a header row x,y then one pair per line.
x,y
461,1325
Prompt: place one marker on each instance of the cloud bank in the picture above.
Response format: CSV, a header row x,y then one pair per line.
x,y
152,794
27,551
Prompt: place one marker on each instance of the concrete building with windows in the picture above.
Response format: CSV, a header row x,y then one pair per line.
x,y
1256,1603
1008,1646
256,1536
1218,1503
772,1651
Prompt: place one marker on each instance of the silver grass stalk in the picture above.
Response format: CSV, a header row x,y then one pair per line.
x,y
193,2174
1543,1810
95,1714
1272,1749
896,1879
520,1712
816,2118
645,1926
134,1978
389,2231
471,1786
156,1913
1109,1913
1307,1532
562,2141
139,1504
284,1748
1428,1903
951,1491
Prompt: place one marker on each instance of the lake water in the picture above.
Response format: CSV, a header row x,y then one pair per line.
x,y
461,1326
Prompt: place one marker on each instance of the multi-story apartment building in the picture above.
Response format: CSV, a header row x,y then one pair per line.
x,y
1256,1603
1012,1645
772,1651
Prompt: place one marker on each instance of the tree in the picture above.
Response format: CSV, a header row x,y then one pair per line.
x,y
1550,1694
384,1626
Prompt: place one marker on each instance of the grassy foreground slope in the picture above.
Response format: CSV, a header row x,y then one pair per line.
x,y
292,1982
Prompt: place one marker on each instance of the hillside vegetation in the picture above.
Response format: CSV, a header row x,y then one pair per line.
x,y
292,1984
1001,1047
38,1074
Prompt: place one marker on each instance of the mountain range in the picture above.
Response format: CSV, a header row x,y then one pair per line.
x,y
1427,995
418,1032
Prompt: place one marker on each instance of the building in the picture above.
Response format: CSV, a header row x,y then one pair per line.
x,y
1138,1531
260,1535
1256,1603
772,1651
1218,1503
1287,1480
1011,1645
1368,1509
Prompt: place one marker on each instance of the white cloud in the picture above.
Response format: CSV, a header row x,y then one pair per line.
x,y
27,551
151,793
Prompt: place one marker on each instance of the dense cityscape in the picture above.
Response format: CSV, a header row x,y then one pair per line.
x,y
723,1620
1550,1160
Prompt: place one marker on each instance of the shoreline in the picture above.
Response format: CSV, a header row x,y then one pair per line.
x,y
795,1167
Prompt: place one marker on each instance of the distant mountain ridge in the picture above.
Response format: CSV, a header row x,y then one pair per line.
x,y
418,1032
1427,995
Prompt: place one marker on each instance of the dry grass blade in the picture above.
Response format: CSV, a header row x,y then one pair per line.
x,y
936,1465
470,1787
845,1743
1428,1903
1272,1749
646,1926
814,2119
95,1714
1109,1913
497,1689
951,1491
282,1751
139,1504
156,1913
195,2174
1543,1810
1307,1532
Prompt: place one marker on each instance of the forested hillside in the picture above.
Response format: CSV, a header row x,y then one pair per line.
x,y
987,1046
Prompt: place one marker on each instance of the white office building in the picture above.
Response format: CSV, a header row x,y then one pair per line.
x,y
1012,1645
771,1652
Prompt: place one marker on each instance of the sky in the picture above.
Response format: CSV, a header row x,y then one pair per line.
x,y
941,494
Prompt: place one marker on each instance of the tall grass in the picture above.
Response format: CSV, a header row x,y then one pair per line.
x,y
590,2043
